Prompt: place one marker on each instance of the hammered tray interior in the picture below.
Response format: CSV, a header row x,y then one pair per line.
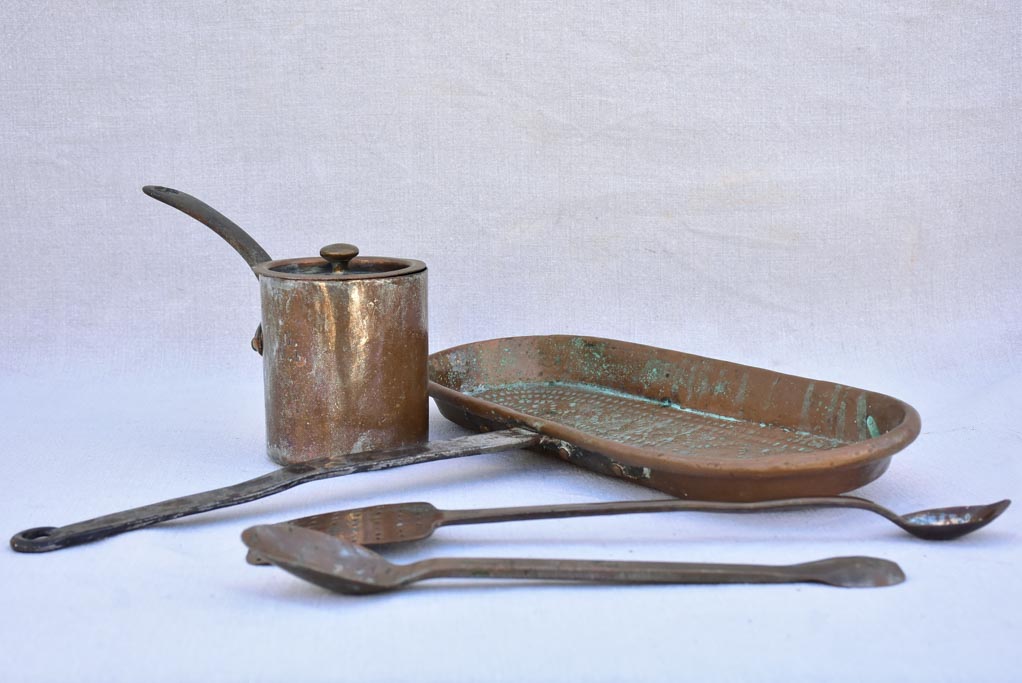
x,y
671,411
641,422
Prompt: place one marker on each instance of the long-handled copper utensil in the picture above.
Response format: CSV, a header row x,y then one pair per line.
x,y
399,522
346,567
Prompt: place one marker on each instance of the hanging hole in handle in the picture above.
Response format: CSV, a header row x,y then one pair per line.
x,y
34,539
37,532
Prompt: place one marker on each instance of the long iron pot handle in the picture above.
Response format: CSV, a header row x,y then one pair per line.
x,y
231,232
44,539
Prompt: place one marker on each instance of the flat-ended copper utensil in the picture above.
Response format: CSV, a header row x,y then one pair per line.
x,y
345,567
400,522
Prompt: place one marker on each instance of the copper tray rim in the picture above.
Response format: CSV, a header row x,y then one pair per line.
x,y
850,456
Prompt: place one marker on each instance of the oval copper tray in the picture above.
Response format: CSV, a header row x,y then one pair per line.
x,y
690,426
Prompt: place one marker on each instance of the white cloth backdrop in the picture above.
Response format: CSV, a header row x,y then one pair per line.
x,y
825,188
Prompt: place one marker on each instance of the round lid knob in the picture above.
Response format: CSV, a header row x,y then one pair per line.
x,y
339,255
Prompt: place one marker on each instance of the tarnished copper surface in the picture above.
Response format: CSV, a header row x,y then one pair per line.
x,y
343,341
404,522
344,356
691,426
346,567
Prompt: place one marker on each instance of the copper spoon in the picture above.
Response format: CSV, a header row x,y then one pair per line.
x,y
395,523
346,567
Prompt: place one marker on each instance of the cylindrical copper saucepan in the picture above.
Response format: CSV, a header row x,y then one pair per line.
x,y
343,340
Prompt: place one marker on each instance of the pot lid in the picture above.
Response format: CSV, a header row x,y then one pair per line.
x,y
339,262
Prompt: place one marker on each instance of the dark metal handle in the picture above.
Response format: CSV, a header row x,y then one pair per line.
x,y
232,233
44,539
242,242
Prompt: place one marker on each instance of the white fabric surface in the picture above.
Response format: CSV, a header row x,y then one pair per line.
x,y
829,189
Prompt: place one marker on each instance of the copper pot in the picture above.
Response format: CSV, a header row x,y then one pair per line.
x,y
343,340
